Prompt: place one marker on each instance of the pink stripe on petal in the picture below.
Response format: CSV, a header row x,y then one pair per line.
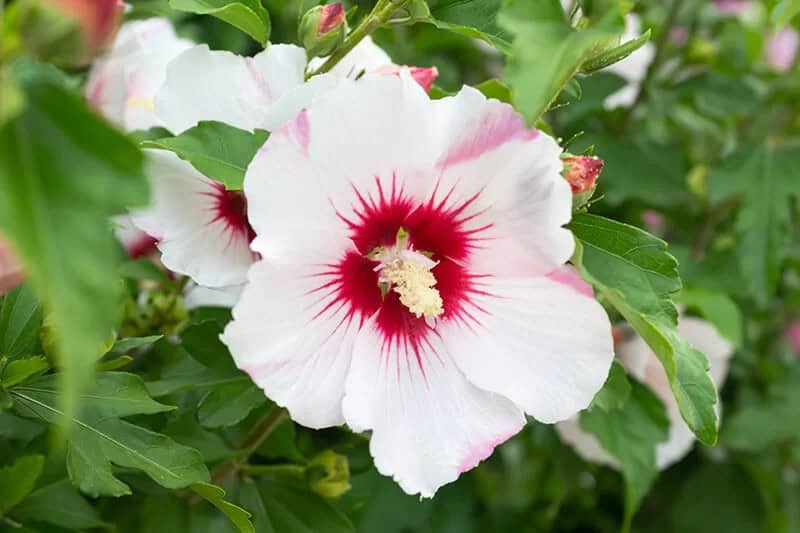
x,y
500,125
568,275
297,130
479,453
258,79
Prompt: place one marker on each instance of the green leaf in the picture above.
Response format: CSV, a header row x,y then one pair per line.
x,y
716,307
18,480
187,430
289,506
547,51
126,345
99,437
630,434
764,178
614,55
784,11
63,174
473,18
764,422
20,322
719,498
216,496
615,391
495,89
632,270
247,15
18,429
60,505
218,150
228,405
21,370
202,342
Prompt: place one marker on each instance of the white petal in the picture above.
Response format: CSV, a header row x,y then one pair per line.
x,y
122,84
303,179
633,68
536,341
428,422
232,89
523,200
183,217
293,346
199,296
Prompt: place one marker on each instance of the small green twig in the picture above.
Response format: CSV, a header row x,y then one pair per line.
x,y
379,15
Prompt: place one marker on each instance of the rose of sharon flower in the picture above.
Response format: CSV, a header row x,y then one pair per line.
x,y
404,286
122,83
644,365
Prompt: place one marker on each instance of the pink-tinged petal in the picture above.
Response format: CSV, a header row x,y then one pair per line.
x,y
294,341
551,347
11,272
122,84
331,16
428,422
498,125
202,229
513,179
568,275
425,76
198,296
239,91
642,363
793,335
781,49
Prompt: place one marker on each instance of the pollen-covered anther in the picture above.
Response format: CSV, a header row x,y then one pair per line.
x,y
414,282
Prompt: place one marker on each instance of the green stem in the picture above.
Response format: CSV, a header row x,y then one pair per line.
x,y
296,470
260,432
379,15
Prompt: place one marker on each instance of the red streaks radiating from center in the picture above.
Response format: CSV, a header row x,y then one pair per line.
x,y
437,226
230,207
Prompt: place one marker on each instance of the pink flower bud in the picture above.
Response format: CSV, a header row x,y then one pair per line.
x,y
425,76
11,273
793,336
323,29
98,19
582,171
653,219
781,49
330,17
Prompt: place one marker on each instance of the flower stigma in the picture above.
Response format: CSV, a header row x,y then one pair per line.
x,y
408,273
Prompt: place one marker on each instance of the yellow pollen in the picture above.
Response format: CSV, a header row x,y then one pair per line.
x,y
414,282
140,101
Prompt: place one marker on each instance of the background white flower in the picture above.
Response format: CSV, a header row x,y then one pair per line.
x,y
122,83
633,68
642,363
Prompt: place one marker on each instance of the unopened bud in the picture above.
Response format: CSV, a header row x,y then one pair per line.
x,y
323,29
328,474
68,32
581,172
11,273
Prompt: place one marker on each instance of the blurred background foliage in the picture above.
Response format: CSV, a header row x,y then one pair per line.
x,y
704,157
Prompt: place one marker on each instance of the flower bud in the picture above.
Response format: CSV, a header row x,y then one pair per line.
x,y
793,336
11,273
581,172
68,32
328,474
323,29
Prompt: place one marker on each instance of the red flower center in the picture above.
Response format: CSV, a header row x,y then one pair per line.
x,y
437,227
230,207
